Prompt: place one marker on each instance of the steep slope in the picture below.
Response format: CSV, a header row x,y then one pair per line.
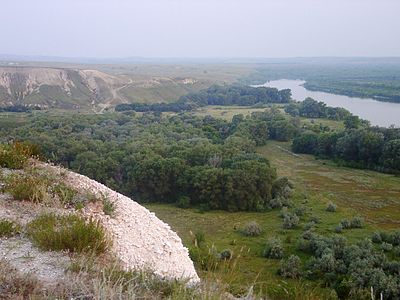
x,y
73,88
55,87
138,239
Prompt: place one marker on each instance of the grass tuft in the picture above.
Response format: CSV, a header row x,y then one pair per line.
x,y
70,232
108,207
9,228
28,186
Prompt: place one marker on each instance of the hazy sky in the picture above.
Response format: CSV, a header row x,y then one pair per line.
x,y
200,28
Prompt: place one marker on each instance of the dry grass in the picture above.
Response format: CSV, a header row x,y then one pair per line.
x,y
14,286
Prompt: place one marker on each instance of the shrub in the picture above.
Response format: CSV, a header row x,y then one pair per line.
x,y
108,207
345,224
183,202
276,203
300,211
9,228
339,228
386,247
357,222
14,156
282,188
290,221
65,193
69,232
308,235
376,238
395,238
309,225
273,249
290,268
284,211
331,207
252,229
396,250
226,254
315,219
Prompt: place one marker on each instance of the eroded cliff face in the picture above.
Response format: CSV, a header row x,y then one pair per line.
x,y
139,239
71,88
57,87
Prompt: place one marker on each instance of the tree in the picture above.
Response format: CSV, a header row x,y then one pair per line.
x,y
305,143
391,155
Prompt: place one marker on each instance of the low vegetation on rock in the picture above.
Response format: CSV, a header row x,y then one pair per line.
x,y
70,232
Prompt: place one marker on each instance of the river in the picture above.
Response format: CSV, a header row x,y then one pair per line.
x,y
378,113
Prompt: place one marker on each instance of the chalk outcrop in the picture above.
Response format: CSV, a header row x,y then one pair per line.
x,y
139,239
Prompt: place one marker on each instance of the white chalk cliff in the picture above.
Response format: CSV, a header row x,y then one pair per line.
x,y
140,240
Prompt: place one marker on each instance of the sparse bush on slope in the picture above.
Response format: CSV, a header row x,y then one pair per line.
x,y
15,155
252,229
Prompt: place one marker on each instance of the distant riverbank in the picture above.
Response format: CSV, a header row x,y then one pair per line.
x,y
377,112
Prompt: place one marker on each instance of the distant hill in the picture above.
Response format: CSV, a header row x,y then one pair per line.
x,y
74,88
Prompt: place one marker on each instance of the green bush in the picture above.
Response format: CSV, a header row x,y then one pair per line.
x,y
290,221
386,247
252,229
345,224
183,202
308,234
108,207
9,228
331,207
69,232
315,219
226,254
290,268
357,222
376,238
339,228
11,157
284,211
309,225
273,249
300,211
65,193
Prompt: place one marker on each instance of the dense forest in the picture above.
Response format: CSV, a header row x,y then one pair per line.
x,y
180,159
18,108
357,146
216,95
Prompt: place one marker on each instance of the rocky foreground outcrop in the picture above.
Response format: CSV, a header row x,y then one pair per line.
x,y
139,239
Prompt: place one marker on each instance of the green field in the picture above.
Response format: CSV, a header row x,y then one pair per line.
x,y
372,195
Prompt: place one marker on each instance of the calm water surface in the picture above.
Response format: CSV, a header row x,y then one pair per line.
x,y
378,113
